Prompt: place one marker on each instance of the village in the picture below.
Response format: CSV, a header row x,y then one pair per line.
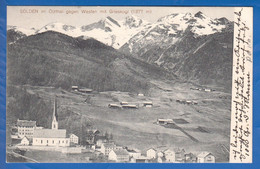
x,y
28,136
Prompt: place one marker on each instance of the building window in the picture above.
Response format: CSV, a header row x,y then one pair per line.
x,y
52,141
41,141
47,141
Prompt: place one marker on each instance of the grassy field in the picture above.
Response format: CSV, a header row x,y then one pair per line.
x,y
208,121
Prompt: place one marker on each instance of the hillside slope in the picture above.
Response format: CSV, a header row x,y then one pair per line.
x,y
55,59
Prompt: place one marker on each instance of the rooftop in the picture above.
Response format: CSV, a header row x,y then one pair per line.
x,y
49,133
121,152
26,123
109,145
204,154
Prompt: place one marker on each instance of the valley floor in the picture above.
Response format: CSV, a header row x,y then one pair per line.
x,y
204,126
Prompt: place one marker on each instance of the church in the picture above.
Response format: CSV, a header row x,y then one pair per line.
x,y
53,136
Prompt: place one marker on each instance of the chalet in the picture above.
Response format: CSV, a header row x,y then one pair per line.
x,y
25,141
124,103
114,106
164,121
118,155
207,90
130,106
151,153
148,104
179,155
188,102
75,88
190,158
169,156
26,128
206,157
74,139
107,147
85,90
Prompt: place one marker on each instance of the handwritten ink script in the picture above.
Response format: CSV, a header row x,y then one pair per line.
x,y
241,117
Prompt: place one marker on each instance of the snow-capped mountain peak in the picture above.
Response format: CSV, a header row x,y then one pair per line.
x,y
133,22
200,15
199,23
56,26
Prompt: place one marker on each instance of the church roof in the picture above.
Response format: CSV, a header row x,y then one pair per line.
x,y
121,152
26,123
49,133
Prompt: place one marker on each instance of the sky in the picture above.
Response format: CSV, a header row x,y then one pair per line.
x,y
39,16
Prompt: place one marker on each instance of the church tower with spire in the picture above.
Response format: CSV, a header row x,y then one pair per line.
x,y
54,124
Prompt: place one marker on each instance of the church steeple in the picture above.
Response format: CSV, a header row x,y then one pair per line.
x,y
54,124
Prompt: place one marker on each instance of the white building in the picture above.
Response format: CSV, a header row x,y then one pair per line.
x,y
169,156
206,157
107,147
148,104
26,128
118,155
74,139
164,121
51,137
25,141
151,153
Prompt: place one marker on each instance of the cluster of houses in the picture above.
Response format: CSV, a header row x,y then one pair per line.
x,y
29,134
121,154
116,153
178,155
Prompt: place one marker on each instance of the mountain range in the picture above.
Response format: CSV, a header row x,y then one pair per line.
x,y
108,31
194,47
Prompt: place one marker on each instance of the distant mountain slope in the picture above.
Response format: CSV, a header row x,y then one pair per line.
x,y
195,47
55,59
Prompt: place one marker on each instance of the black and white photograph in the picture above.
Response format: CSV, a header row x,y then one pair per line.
x,y
128,84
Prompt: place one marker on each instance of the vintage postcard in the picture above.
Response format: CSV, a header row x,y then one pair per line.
x,y
129,84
